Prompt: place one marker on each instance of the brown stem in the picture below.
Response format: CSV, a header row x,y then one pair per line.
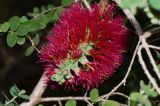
x,y
103,5
35,97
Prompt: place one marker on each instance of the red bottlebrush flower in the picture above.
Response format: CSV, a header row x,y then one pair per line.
x,y
85,47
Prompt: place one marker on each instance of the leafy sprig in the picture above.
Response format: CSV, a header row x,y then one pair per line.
x,y
15,93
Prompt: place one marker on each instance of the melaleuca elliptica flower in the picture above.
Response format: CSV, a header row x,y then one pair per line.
x,y
85,47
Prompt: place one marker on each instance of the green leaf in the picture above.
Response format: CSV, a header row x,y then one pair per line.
x,y
75,67
42,20
110,103
66,2
58,77
32,26
59,10
147,102
158,55
153,93
99,103
36,39
42,105
14,23
11,39
36,10
22,30
83,59
148,90
28,26
94,94
24,97
71,103
22,92
21,40
55,16
50,16
158,66
133,5
23,19
126,4
155,4
29,51
43,9
14,91
133,10
4,27
10,104
136,96
49,6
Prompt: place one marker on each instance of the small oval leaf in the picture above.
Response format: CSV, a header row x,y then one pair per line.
x,y
10,104
66,2
24,97
155,4
94,94
36,39
110,103
14,91
4,27
29,51
71,103
23,19
11,39
36,10
22,30
21,40
14,23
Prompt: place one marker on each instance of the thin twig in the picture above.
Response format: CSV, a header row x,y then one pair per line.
x,y
60,103
87,100
106,96
154,30
123,95
46,11
146,71
132,19
87,4
10,101
32,43
103,6
146,47
47,99
153,47
76,0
